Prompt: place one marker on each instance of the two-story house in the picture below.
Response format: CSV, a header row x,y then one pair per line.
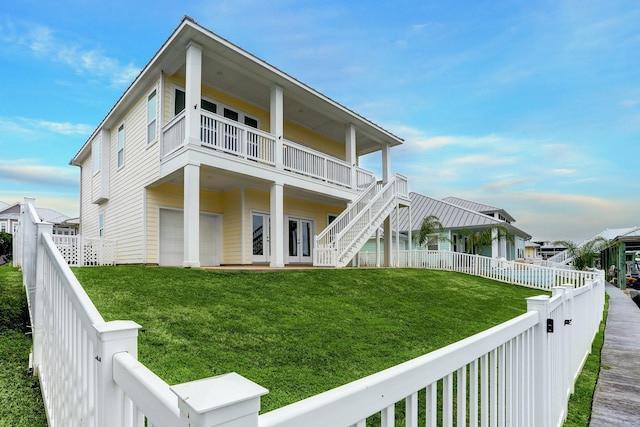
x,y
213,156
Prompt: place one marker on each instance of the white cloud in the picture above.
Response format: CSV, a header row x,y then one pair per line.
x,y
45,44
29,172
563,172
484,160
24,126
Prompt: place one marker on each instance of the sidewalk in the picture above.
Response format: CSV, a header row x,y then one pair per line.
x,y
616,401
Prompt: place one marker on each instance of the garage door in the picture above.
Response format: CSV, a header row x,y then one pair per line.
x,y
172,238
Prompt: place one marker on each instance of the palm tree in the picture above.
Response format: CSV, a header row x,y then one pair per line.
x,y
477,239
584,255
430,225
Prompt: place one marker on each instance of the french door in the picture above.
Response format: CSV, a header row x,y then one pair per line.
x,y
261,225
299,240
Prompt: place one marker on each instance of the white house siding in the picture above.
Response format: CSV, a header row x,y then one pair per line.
x,y
123,212
89,211
95,177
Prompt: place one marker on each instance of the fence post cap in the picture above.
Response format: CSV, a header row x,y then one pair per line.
x,y
117,329
219,399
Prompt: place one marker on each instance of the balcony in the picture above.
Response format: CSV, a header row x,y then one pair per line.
x,y
229,138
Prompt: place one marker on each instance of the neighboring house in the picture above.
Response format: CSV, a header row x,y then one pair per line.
x,y
10,216
213,156
623,250
548,249
532,250
457,216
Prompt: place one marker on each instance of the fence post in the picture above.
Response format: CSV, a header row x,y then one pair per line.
x,y
38,296
113,337
228,400
80,248
541,377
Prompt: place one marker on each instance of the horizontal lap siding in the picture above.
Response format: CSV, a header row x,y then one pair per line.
x,y
89,211
124,216
311,210
232,227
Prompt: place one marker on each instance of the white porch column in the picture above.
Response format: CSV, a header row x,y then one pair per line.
x,y
495,250
503,245
350,154
277,225
193,88
191,216
388,237
277,121
410,239
378,247
386,163
397,264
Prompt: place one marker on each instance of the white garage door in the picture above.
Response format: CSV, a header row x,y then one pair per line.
x,y
172,238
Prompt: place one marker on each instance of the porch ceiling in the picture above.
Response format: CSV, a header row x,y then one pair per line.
x,y
220,181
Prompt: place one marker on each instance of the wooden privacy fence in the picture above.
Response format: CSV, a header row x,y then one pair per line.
x,y
518,373
514,272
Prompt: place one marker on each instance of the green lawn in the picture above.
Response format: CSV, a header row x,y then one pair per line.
x,y
20,399
296,333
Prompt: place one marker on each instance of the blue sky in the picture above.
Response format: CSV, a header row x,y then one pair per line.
x,y
531,106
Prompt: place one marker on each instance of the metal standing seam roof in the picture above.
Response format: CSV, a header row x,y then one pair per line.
x,y
45,214
449,214
477,207
613,233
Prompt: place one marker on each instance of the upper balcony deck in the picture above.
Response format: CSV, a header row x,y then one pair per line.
x,y
241,143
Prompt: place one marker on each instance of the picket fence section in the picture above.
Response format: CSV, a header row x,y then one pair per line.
x,y
518,373
79,251
514,272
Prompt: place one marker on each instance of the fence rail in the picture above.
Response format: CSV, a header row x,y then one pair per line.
x,y
514,272
518,373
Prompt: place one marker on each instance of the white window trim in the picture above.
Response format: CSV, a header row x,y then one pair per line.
x,y
101,225
124,144
157,97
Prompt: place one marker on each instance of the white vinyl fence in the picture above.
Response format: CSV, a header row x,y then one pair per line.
x,y
514,272
518,373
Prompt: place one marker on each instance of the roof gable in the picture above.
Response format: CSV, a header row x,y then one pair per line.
x,y
479,207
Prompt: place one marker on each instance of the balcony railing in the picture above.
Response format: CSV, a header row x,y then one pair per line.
x,y
230,137
233,138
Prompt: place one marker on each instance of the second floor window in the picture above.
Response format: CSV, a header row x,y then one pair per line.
x,y
152,108
121,145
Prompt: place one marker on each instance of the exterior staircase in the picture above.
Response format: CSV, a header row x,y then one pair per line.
x,y
562,258
337,244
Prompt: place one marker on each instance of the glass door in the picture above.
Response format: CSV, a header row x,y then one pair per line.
x,y
299,240
260,225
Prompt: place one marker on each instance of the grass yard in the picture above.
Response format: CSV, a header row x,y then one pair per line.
x,y
20,399
295,332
